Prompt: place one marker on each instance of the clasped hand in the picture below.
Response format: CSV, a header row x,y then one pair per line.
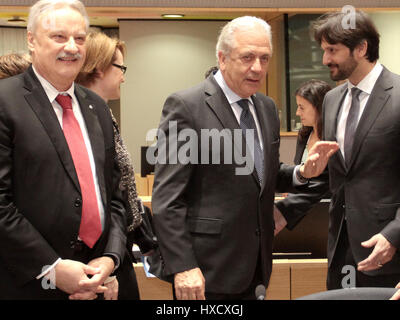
x,y
72,277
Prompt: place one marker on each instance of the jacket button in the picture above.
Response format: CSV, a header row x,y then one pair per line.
x,y
257,232
78,202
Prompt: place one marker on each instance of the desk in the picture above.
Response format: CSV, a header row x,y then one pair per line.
x,y
290,279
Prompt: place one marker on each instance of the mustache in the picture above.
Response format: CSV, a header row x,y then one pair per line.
x,y
74,56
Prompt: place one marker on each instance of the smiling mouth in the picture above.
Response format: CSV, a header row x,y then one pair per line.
x,y
332,66
67,59
253,81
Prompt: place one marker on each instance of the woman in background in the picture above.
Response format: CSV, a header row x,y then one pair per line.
x,y
103,72
289,211
13,63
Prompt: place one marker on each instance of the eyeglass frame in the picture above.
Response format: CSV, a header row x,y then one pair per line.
x,y
123,68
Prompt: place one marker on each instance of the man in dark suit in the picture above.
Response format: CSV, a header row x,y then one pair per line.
x,y
214,220
62,220
363,116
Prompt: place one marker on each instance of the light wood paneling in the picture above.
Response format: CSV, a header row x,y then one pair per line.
x,y
308,277
142,186
152,288
279,285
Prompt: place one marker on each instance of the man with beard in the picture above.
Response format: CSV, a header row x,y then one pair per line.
x,y
363,116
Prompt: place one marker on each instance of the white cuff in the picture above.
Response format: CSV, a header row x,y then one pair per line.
x,y
47,269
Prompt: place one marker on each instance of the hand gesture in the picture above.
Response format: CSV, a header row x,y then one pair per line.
x,y
318,157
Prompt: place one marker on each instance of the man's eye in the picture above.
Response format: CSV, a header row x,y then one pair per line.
x,y
247,58
58,37
80,40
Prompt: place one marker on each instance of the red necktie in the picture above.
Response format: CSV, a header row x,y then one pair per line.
x,y
90,228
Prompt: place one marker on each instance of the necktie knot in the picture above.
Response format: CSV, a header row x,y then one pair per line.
x,y
244,104
355,93
64,101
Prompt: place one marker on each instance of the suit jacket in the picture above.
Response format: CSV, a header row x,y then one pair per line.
x,y
205,215
296,205
40,198
367,192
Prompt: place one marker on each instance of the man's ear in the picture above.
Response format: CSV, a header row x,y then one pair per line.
x,y
221,60
30,40
361,49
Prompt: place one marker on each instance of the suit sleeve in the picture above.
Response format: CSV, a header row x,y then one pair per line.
x,y
116,242
296,205
171,183
20,241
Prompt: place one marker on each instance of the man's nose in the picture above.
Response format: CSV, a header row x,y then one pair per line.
x,y
257,67
71,45
326,59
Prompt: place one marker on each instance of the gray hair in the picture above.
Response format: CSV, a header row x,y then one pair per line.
x,y
42,6
226,39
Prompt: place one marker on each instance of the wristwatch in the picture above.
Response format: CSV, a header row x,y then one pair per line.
x,y
299,176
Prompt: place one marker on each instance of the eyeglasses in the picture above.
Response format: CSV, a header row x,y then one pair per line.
x,y
123,68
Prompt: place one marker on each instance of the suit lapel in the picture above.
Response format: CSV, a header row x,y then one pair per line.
x,y
96,136
263,122
331,120
220,105
40,104
374,106
217,101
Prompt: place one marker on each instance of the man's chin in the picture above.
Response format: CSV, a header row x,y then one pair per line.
x,y
337,76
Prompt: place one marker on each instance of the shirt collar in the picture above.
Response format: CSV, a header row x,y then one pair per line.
x,y
52,92
230,95
368,83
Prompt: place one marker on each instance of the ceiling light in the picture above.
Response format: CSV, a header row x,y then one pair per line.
x,y
16,19
173,16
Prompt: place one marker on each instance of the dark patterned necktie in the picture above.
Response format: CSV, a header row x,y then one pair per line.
x,y
351,124
247,122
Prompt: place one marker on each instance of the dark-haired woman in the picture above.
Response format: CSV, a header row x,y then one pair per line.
x,y
289,211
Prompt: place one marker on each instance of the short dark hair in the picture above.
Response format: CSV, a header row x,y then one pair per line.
x,y
329,27
314,92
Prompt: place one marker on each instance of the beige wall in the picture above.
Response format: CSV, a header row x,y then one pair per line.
x,y
163,57
166,56
388,25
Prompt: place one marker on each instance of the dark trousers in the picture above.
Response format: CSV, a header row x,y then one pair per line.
x,y
344,257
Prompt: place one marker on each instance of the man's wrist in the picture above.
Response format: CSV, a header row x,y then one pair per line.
x,y
299,176
116,260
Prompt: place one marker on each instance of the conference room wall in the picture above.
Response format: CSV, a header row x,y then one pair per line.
x,y
388,25
163,57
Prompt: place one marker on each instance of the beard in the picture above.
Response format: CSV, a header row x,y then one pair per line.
x,y
344,70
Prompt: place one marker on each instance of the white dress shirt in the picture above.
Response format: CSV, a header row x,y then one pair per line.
x,y
233,98
366,85
52,94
